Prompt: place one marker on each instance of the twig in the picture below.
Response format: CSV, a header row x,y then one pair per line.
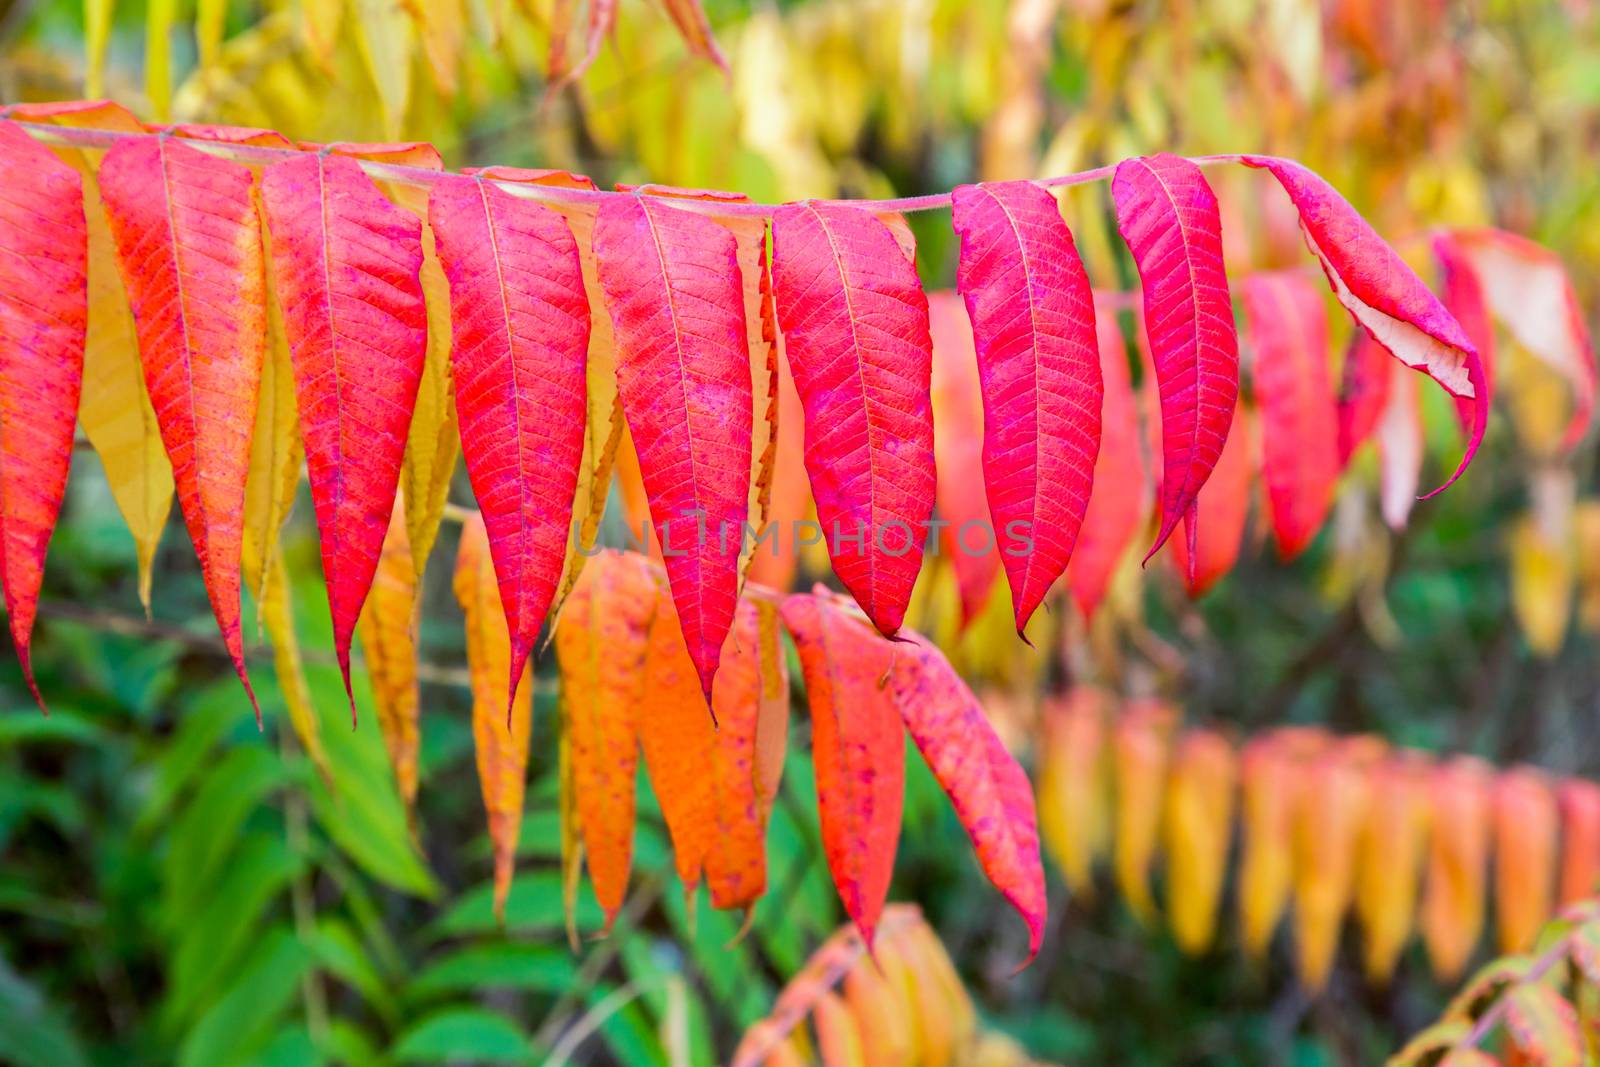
x,y
1492,1017
85,137
592,1019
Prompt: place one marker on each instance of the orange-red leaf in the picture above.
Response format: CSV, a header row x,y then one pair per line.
x,y
44,311
501,743
857,748
520,342
189,247
346,269
674,291
1579,801
990,792
1299,434
1117,499
601,642
1223,507
965,535
855,327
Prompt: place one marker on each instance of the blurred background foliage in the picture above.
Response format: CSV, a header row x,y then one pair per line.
x,y
177,888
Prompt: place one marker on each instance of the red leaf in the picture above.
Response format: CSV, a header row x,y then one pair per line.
x,y
855,327
1580,840
958,454
1363,392
1168,216
1223,508
1116,503
690,19
674,291
857,748
520,341
1385,296
1527,288
1299,435
346,266
189,248
1034,321
991,793
44,314
1462,293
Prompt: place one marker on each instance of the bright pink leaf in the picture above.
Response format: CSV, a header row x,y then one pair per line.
x,y
1033,318
1363,392
188,242
1462,292
1299,420
1168,216
1382,292
44,312
992,795
1117,501
1528,289
520,338
855,327
676,299
1223,508
346,265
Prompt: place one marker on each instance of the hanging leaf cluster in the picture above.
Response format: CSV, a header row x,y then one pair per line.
x,y
1325,828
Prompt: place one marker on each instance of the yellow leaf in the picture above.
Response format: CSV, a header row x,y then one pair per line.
x,y
501,746
1389,865
1454,890
838,1037
1199,824
210,20
96,36
1266,870
386,38
442,26
1139,759
277,612
1330,807
319,24
434,442
1074,805
387,629
1526,833
1543,565
159,17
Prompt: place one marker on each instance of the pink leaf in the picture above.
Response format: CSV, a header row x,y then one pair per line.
x,y
991,793
963,514
1363,392
1462,292
675,295
1385,296
1168,216
855,327
1034,322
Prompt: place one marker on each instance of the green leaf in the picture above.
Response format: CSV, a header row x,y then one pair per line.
x,y
242,1021
534,906
341,953
32,1032
463,1035
213,938
513,966
207,828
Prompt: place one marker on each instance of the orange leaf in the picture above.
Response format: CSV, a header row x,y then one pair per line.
x,y
1330,808
601,642
1525,831
1389,866
501,743
1458,856
857,747
838,1036
388,639
1269,774
1580,840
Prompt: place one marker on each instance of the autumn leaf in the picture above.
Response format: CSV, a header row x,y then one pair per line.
x,y
1270,773
1399,435
1168,216
1198,825
1382,293
1392,847
1033,320
1543,1026
990,793
1579,803
519,383
501,744
1117,499
189,246
1526,829
673,287
44,311
855,327
1363,392
1330,808
1140,753
1223,510
857,748
1461,290
1299,435
1073,784
346,266
387,629
602,640
1455,887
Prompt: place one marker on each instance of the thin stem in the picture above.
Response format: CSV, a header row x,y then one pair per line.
x,y
85,137
1497,1011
